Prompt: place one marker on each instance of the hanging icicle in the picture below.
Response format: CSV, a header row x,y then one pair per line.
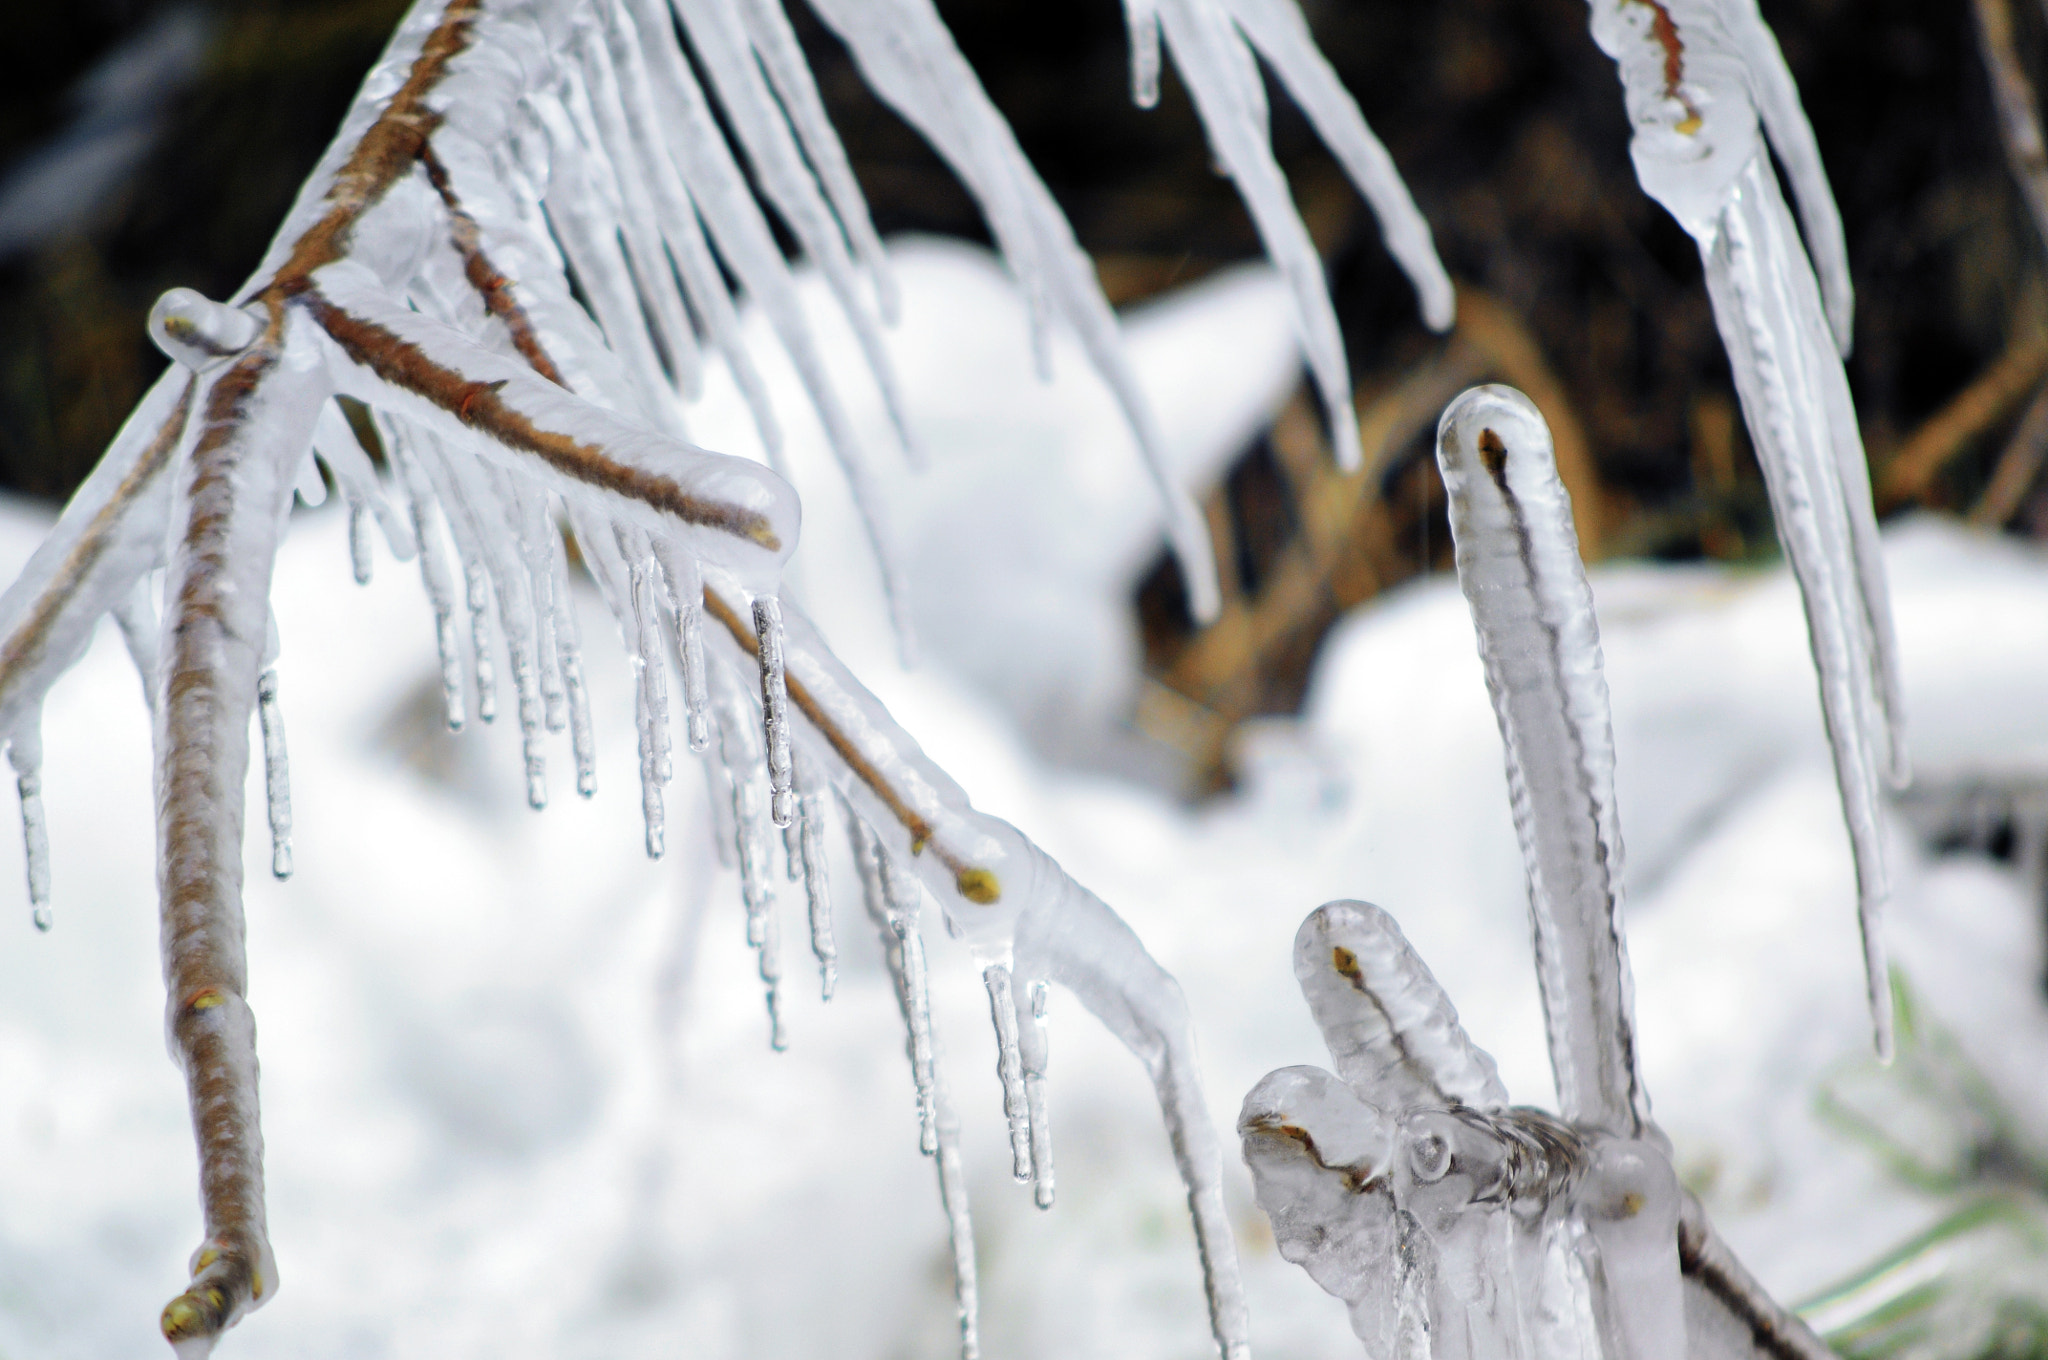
x,y
277,786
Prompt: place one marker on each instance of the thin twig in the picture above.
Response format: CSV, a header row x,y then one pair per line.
x,y
2019,123
1911,472
2018,468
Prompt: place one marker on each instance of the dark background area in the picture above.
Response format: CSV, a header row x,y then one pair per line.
x,y
1503,116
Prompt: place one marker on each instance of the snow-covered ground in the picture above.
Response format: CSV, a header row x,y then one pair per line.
x,y
517,1091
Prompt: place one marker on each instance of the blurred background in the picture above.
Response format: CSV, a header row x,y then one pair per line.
x,y
151,143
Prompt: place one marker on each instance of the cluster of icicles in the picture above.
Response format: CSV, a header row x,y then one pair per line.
x,y
1456,1226
514,263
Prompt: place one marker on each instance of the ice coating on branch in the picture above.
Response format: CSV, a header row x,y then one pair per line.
x,y
1448,1229
1699,78
1407,1039
1518,564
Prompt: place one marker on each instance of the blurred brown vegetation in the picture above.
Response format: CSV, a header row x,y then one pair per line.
x,y
1504,118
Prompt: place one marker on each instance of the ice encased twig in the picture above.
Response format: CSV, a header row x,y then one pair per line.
x,y
1518,564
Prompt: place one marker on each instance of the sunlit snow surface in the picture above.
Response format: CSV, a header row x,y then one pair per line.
x,y
517,1093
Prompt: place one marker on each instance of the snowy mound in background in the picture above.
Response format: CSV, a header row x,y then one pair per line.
x,y
517,1091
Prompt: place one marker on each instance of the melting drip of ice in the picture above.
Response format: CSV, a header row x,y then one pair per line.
x,y
1035,1045
25,754
1518,563
277,786
1002,1004
774,709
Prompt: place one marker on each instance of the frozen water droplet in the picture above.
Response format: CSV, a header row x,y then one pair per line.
x,y
26,755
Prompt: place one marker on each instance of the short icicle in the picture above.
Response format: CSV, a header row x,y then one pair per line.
x,y
1035,1042
277,786
25,754
1002,1005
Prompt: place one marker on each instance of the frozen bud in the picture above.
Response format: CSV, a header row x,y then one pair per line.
x,y
198,332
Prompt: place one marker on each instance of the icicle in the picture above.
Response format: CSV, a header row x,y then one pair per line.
x,y
276,773
1518,563
1797,407
774,709
1035,1044
703,283
538,540
740,757
355,477
135,614
638,217
1142,17
762,127
959,1226
25,754
775,42
1277,29
359,560
651,704
686,584
807,835
1002,1005
893,906
1206,48
434,573
894,914
569,655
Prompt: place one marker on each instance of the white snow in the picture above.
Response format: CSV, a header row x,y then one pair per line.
x,y
518,1097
